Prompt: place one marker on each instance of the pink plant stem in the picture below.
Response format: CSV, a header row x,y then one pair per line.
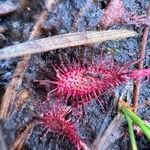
x,y
141,64
139,74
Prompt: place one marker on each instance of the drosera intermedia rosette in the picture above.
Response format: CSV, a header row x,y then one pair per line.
x,y
56,121
81,83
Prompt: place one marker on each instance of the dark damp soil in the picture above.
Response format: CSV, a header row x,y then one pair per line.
x,y
67,17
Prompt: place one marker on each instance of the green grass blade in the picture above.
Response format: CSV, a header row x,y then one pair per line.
x,y
131,132
136,119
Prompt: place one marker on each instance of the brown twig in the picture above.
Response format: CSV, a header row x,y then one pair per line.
x,y
110,136
64,41
11,91
18,144
141,64
14,85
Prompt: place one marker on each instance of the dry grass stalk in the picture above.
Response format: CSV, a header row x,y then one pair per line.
x,y
11,92
64,41
141,64
19,142
111,134
12,89
22,96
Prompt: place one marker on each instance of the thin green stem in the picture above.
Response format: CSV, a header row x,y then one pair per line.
x,y
131,132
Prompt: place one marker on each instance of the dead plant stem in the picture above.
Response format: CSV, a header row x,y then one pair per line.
x,y
141,64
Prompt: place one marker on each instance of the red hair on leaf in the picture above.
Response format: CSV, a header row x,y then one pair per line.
x,y
55,122
82,83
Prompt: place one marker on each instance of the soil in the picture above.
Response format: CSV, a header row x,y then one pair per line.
x,y
66,17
